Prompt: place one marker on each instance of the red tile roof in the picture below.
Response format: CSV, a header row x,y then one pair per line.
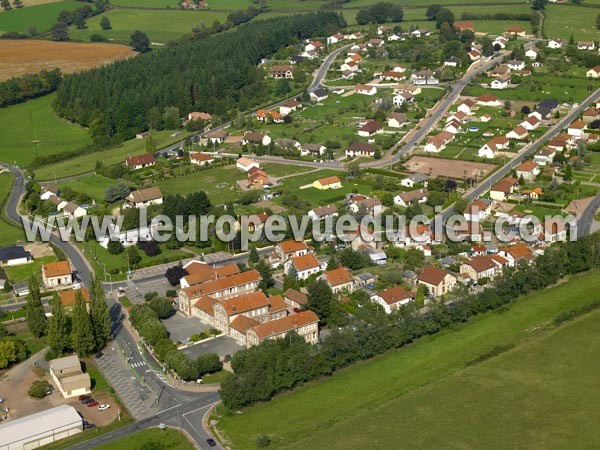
x,y
395,294
289,323
432,275
338,276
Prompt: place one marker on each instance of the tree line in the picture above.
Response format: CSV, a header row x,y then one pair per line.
x,y
25,87
274,366
146,319
380,13
76,330
216,74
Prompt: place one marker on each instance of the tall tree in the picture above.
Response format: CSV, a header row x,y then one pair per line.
x,y
105,23
321,300
58,336
140,42
266,275
34,310
82,338
60,32
432,11
99,314
253,255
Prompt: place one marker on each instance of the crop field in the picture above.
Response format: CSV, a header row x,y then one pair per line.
x,y
540,395
26,56
32,129
30,3
438,167
42,17
221,5
160,26
86,163
564,20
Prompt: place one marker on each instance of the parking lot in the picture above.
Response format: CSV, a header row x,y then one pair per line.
x,y
221,345
138,399
181,328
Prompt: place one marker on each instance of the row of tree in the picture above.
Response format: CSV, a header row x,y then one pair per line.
x,y
380,13
146,319
274,366
116,100
25,87
76,330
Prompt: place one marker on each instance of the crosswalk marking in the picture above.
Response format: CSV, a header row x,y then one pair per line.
x,y
139,364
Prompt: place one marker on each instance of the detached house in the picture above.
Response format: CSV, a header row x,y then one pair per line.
x,y
145,197
500,191
364,89
396,120
201,159
323,212
516,253
408,198
318,95
370,128
339,280
252,138
488,100
518,133
244,163
493,146
586,45
139,162
57,274
304,266
484,266
555,43
332,182
501,82
360,149
528,170
437,281
478,210
393,298
283,71
594,72
466,106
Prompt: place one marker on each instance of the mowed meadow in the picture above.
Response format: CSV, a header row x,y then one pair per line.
x,y
32,129
20,57
541,394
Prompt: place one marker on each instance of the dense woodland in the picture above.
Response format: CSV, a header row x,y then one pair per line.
x,y
215,74
18,89
274,366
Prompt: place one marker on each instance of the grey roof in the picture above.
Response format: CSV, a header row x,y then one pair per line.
x,y
409,274
365,276
40,424
448,260
321,92
14,252
417,177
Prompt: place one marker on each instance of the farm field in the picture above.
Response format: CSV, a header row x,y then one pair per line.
x,y
167,439
160,26
32,129
222,5
42,17
418,13
438,167
30,3
437,401
26,56
564,20
86,163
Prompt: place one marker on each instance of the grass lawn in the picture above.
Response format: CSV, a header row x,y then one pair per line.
x,y
155,438
99,383
563,20
24,271
343,410
280,170
214,378
160,26
219,184
92,185
87,163
222,5
32,129
42,17
9,232
537,211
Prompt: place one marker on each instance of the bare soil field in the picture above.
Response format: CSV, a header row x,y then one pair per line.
x,y
27,56
438,167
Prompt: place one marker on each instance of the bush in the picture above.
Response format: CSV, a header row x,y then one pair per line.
x,y
97,38
262,441
114,247
38,389
150,248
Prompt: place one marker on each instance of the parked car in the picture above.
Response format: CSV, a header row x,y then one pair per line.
x,y
87,425
211,442
103,407
99,355
83,397
92,403
87,400
1,400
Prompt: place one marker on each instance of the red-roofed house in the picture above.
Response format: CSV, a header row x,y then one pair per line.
x,y
437,281
393,298
141,161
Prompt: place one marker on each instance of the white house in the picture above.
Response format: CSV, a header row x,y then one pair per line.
x,y
466,106
253,138
364,89
576,128
393,298
318,95
518,133
527,170
594,72
478,210
323,212
406,199
305,266
500,82
14,256
532,53
396,120
145,197
403,97
244,163
531,123
586,45
556,43
493,146
370,128
415,178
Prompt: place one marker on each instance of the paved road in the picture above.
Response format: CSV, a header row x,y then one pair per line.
x,y
586,219
441,109
485,186
327,62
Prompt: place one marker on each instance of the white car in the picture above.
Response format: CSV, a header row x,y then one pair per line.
x,y
103,407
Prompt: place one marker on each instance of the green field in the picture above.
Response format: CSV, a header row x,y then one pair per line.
x,y
219,184
160,26
9,233
564,20
92,185
152,438
417,397
222,5
280,170
42,17
32,129
24,271
86,163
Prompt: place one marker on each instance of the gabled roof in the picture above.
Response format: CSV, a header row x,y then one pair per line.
x,y
338,276
432,275
244,303
292,246
395,295
296,296
371,126
57,269
221,284
141,160
329,180
362,147
14,252
69,296
519,251
400,117
285,324
201,157
527,166
305,262
322,211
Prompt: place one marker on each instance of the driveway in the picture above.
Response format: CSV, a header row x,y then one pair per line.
x,y
221,345
181,328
